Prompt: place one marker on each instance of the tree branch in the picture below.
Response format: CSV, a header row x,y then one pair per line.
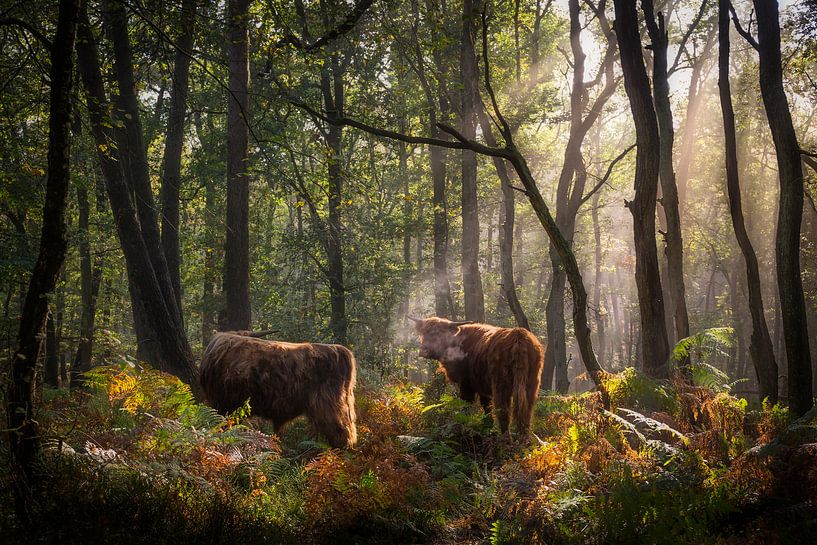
x,y
745,33
13,21
345,26
685,38
607,174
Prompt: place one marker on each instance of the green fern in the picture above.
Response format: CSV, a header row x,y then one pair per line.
x,y
703,344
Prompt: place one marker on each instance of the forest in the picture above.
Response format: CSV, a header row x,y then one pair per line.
x,y
408,271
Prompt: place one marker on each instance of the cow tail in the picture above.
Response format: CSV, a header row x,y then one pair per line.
x,y
349,386
524,358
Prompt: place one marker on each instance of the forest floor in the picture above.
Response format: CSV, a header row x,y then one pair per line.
x,y
135,460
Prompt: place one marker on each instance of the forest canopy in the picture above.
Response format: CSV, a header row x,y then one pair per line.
x,y
631,181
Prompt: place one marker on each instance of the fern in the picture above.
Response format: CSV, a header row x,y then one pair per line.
x,y
652,426
703,344
627,426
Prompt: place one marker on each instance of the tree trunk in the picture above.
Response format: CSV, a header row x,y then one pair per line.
x,y
506,220
760,345
601,314
471,279
174,140
22,428
790,212
669,200
333,92
90,277
51,366
442,289
654,342
162,341
237,246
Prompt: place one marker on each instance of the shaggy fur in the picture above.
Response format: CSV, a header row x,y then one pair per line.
x,y
500,365
283,381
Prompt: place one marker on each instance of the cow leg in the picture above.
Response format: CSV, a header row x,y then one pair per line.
x,y
523,412
467,393
486,403
502,408
332,416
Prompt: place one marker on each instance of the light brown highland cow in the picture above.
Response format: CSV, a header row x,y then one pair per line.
x,y
501,365
283,381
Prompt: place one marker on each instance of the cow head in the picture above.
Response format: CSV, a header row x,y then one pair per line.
x,y
440,340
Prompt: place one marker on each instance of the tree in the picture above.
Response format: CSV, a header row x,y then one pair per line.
x,y
654,342
669,191
22,426
237,245
760,347
790,208
471,278
90,279
174,140
572,182
122,157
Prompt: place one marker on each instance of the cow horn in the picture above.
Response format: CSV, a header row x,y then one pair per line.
x,y
413,319
262,333
463,323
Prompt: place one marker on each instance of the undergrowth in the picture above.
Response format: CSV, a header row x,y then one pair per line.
x,y
134,459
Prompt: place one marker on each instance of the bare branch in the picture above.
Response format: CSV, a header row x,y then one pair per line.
x,y
745,33
345,26
505,129
685,38
607,174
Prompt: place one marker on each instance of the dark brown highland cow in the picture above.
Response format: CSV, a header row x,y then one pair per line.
x,y
500,365
283,381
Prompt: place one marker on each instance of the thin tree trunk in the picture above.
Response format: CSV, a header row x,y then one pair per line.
x,y
601,316
437,157
669,199
760,346
51,366
90,277
471,279
655,345
790,213
174,140
237,246
333,92
22,428
506,220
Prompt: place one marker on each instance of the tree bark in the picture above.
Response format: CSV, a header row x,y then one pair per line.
x,y
760,345
90,277
332,90
790,211
471,278
51,366
674,249
22,427
654,342
237,245
174,140
161,338
506,220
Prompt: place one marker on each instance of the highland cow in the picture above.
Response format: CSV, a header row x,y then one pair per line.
x,y
500,365
283,381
